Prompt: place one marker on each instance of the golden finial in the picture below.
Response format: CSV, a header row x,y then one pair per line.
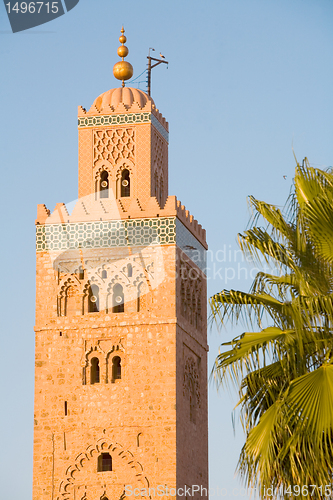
x,y
122,70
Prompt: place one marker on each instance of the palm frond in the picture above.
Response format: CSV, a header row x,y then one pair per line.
x,y
310,402
237,305
284,373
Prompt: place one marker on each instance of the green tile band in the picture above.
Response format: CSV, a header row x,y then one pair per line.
x,y
128,118
93,121
120,233
106,234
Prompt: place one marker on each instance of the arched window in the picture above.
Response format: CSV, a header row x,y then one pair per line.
x,y
129,270
104,184
118,299
116,368
104,274
81,273
93,299
70,301
125,189
104,462
94,371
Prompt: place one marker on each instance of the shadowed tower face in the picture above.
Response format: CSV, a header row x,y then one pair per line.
x,y
121,341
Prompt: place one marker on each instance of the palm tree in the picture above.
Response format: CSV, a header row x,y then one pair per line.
x,y
284,370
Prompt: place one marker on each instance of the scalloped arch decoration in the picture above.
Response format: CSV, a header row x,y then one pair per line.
x,y
124,166
67,282
102,166
125,456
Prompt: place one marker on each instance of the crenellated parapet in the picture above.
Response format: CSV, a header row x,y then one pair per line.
x,y
89,210
191,223
42,213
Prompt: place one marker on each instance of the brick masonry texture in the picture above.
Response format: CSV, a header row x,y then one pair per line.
x,y
151,416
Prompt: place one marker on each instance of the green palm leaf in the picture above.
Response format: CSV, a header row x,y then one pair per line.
x,y
285,372
249,350
310,403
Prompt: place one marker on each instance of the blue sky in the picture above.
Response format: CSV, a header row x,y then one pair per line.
x,y
248,80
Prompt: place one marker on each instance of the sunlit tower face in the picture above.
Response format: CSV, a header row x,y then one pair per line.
x,y
121,347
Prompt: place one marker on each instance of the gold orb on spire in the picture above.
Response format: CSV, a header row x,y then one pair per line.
x,y
122,70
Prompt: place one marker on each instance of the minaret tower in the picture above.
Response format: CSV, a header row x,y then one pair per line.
x,y
121,339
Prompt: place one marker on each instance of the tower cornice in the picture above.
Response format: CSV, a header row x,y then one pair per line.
x,y
86,210
119,102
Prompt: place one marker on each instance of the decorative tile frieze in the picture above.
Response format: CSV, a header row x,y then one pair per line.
x,y
106,234
95,121
122,119
121,233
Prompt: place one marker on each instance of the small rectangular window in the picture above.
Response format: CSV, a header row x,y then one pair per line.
x,y
104,463
66,410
